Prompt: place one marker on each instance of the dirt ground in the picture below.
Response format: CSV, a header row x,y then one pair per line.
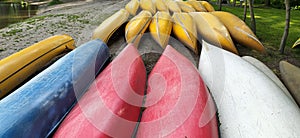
x,y
77,19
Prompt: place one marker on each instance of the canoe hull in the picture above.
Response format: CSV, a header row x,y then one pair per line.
x,y
177,102
148,5
213,31
107,99
36,108
161,27
184,29
291,77
239,30
263,68
136,27
16,68
132,7
246,98
105,30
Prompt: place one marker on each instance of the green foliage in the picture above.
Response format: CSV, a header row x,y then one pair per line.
x,y
295,4
259,1
278,4
55,2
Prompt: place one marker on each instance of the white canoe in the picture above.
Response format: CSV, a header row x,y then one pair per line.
x,y
267,71
249,103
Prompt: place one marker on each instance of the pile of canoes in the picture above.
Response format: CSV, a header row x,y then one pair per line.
x,y
55,89
190,22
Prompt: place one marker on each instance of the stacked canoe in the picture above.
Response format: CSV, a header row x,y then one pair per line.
x,y
74,98
191,21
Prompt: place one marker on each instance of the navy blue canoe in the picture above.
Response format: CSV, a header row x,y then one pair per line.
x,y
36,108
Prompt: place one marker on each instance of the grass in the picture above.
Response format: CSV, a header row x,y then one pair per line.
x,y
55,2
270,23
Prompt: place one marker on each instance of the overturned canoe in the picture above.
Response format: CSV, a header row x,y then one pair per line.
x,y
249,103
172,6
178,103
213,31
16,68
36,108
197,6
239,30
136,27
185,30
161,6
107,105
110,25
263,68
148,5
296,43
161,27
132,7
185,7
291,77
207,6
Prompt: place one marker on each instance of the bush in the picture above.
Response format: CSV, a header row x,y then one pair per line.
x,y
278,4
54,2
295,3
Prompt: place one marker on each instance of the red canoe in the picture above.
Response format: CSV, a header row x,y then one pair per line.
x,y
111,106
179,104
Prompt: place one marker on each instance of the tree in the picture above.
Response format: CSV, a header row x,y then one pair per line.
x,y
220,5
253,23
233,3
287,26
245,11
268,3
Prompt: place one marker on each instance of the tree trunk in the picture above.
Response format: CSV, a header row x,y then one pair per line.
x,y
220,5
287,26
253,23
245,11
267,3
233,3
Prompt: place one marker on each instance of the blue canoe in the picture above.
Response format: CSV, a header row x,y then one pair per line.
x,y
36,108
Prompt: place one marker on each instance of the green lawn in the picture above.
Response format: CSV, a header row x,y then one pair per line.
x,y
270,25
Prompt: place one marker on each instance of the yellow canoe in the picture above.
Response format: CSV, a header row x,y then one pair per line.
x,y
213,31
110,25
207,6
161,27
172,6
160,5
185,7
239,31
296,43
132,7
185,30
148,5
136,27
197,6
17,67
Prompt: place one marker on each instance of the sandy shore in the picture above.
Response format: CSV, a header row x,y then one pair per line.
x,y
77,19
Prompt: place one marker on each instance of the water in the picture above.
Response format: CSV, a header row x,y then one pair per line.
x,y
11,12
